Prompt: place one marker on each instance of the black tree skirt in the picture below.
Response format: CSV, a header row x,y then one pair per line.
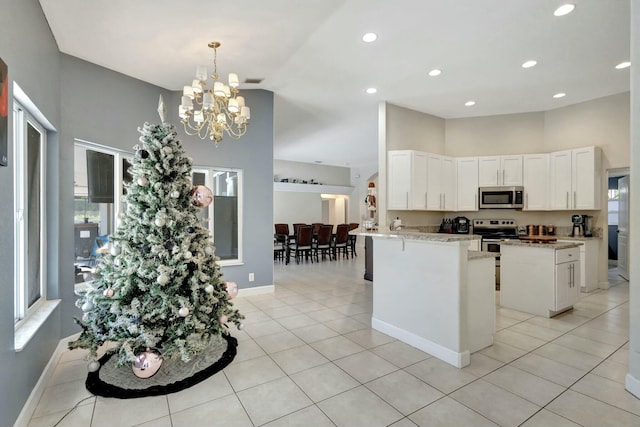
x,y
174,375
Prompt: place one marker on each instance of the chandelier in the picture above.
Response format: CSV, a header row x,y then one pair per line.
x,y
212,111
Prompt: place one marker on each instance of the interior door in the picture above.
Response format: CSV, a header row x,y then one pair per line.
x,y
623,227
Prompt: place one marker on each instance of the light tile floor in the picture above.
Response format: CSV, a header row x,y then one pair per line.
x,y
308,357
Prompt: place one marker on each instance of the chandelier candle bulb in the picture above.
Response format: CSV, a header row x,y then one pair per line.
x,y
207,101
233,105
240,100
233,80
245,112
218,89
187,104
187,91
196,86
201,73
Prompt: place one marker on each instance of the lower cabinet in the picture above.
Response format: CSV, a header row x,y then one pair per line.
x,y
539,279
589,252
567,279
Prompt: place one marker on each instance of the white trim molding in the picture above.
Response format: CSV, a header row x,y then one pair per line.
x,y
632,384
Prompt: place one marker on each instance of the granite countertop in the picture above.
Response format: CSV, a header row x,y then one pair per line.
x,y
551,245
578,238
481,255
416,235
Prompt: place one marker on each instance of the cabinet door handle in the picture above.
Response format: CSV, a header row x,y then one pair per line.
x,y
497,177
526,200
407,199
475,201
575,200
567,200
502,176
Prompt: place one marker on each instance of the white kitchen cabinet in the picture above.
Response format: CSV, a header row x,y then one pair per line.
x,y
535,179
589,252
467,183
441,183
496,171
567,279
407,180
575,178
541,279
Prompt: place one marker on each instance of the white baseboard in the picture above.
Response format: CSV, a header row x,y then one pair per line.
x,y
258,290
32,402
604,285
459,360
632,384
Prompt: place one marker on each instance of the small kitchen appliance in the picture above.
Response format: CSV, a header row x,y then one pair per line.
x,y
582,225
460,225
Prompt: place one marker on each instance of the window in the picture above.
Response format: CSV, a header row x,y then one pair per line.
x,y
29,204
99,176
223,217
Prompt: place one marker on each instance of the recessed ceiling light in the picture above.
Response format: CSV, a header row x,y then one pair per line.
x,y
622,65
565,9
559,95
317,161
529,64
470,103
435,72
369,37
372,90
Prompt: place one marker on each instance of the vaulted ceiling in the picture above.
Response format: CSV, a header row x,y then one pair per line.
x,y
311,55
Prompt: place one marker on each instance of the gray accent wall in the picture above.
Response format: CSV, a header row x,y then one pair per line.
x,y
85,101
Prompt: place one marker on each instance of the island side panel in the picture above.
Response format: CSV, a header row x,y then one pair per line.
x,y
481,303
527,277
417,295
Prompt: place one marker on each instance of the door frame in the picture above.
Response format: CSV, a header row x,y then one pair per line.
x,y
612,173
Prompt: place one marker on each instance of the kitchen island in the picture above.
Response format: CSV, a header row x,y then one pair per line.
x,y
539,278
431,292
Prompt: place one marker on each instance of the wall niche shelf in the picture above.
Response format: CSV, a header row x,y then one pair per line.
x,y
312,188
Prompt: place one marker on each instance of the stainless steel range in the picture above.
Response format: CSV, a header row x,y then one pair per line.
x,y
493,231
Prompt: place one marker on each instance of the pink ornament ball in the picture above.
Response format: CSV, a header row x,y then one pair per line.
x,y
232,289
142,181
201,196
224,319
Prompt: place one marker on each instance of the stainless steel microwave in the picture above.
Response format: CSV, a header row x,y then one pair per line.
x,y
501,197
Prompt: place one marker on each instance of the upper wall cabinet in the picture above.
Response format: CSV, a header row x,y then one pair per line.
x,y
441,183
467,183
499,171
535,178
407,180
575,178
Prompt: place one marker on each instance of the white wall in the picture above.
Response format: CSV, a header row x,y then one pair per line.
x,y
291,207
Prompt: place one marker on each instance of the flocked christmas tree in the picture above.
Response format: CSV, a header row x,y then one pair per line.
x,y
159,287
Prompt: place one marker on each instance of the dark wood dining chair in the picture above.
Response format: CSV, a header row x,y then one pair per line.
x,y
302,244
352,238
341,242
322,242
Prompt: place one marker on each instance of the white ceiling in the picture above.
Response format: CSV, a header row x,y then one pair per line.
x,y
310,54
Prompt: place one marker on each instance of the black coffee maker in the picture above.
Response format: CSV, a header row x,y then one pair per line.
x,y
460,225
582,225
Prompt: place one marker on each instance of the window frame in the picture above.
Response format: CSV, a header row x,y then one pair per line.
x,y
118,186
209,173
22,119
